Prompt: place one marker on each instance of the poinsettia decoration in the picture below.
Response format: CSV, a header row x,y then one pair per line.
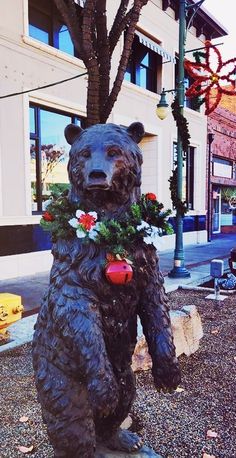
x,y
84,223
210,77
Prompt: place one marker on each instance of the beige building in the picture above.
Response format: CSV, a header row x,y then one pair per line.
x,y
36,51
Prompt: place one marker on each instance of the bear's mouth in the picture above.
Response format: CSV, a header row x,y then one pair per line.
x,y
97,186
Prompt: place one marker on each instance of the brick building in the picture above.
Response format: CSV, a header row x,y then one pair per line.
x,y
222,166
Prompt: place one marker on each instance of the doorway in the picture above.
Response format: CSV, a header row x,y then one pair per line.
x,y
216,212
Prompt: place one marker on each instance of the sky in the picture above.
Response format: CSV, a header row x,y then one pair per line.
x,y
224,11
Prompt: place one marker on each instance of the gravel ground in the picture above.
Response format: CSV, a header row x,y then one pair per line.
x,y
175,425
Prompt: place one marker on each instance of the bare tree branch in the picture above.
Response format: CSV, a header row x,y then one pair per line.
x,y
103,54
114,34
68,12
134,14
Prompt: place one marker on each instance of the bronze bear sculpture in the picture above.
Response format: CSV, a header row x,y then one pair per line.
x,y
86,330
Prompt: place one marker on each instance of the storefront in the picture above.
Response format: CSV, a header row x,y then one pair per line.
x,y
223,209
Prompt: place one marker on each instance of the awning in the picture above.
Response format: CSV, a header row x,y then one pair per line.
x,y
155,47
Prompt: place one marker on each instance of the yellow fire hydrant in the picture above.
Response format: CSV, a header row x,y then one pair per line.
x,y
11,310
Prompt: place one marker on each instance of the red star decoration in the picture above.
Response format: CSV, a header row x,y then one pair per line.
x,y
209,76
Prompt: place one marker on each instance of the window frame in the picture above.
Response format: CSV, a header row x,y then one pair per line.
x,y
189,102
135,66
54,18
223,161
189,163
36,136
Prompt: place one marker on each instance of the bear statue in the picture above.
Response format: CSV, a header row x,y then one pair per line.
x,y
86,329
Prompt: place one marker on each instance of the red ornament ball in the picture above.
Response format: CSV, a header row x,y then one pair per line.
x,y
119,272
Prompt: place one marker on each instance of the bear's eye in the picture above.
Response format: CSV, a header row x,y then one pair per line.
x,y
75,169
85,153
113,152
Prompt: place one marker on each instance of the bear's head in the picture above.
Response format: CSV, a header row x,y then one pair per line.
x,y
105,165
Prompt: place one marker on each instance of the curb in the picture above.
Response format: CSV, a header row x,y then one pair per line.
x,y
21,333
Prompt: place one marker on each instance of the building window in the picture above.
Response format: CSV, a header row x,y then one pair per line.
x,y
188,175
49,153
222,167
189,102
46,25
144,67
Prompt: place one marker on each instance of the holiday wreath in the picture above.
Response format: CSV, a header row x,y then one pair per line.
x,y
145,221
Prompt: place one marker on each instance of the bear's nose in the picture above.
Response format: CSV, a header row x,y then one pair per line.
x,y
97,174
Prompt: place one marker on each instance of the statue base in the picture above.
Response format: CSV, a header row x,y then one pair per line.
x,y
143,452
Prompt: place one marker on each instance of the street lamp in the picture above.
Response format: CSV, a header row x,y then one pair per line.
x,y
162,106
179,270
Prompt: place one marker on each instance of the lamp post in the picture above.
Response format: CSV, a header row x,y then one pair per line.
x,y
209,203
179,270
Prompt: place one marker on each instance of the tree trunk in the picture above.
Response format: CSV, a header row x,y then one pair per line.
x,y
91,62
88,30
103,54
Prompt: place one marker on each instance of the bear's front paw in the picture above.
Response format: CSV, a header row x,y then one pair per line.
x,y
167,378
103,395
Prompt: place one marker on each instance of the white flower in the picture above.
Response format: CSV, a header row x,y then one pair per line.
x,y
80,233
143,225
148,240
152,237
74,222
46,203
81,230
94,231
80,213
94,214
155,231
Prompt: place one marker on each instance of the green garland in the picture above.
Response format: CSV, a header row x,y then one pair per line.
x,y
178,204
182,125
144,218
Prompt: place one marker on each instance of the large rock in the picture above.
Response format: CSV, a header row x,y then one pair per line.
x,y
143,452
187,332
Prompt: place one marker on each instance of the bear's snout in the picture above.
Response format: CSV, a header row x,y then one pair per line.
x,y
97,178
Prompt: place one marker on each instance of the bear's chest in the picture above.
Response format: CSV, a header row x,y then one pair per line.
x,y
119,307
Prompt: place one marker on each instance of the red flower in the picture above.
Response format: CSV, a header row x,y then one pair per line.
x,y
48,217
207,77
87,221
151,196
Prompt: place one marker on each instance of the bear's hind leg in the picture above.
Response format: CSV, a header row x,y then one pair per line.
x,y
67,413
108,429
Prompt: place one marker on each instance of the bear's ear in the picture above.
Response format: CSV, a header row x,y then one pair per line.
x,y
71,132
136,131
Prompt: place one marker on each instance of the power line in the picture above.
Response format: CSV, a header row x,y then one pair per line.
x,y
42,87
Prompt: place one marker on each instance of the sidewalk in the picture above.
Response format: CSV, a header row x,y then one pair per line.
x,y
197,260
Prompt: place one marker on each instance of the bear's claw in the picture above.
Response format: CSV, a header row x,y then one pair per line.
x,y
124,440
